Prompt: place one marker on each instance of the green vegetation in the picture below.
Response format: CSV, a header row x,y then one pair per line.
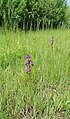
x,y
32,14
45,93
67,24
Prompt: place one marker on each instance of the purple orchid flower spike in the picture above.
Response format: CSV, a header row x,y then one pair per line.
x,y
29,63
52,41
28,69
28,56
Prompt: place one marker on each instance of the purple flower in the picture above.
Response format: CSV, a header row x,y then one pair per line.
x,y
52,41
29,63
28,69
28,56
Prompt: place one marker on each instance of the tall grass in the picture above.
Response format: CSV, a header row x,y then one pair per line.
x,y
44,94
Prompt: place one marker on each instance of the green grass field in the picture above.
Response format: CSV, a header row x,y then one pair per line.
x,y
45,93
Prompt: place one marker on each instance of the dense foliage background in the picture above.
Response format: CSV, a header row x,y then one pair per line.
x,y
34,14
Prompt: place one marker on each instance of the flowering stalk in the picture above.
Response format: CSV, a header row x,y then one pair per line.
x,y
29,63
52,41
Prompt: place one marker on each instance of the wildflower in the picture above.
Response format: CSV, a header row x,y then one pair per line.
x,y
52,41
28,57
29,63
28,69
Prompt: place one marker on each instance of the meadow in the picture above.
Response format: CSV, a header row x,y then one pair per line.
x,y
45,92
